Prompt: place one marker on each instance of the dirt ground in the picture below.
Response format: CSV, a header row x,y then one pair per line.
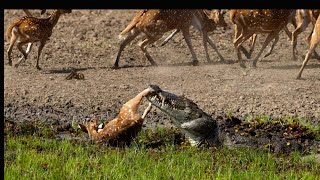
x,y
87,40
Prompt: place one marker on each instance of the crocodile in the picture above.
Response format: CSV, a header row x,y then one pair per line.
x,y
197,126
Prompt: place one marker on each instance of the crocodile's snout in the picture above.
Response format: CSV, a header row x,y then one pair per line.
x,y
155,88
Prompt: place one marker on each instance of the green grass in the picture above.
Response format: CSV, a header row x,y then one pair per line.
x,y
34,157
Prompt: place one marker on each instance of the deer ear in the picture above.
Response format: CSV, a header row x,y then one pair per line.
x,y
224,11
83,128
43,11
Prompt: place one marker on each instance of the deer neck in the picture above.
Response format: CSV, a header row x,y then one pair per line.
x,y
54,17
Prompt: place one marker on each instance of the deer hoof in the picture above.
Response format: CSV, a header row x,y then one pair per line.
x,y
195,63
115,67
242,65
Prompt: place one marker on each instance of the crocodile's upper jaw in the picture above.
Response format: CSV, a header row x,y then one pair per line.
x,y
170,103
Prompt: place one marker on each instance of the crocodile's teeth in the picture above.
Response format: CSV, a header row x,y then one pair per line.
x,y
163,99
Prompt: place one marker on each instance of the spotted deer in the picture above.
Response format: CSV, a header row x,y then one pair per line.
x,y
304,17
27,12
125,126
153,23
256,21
210,19
30,30
314,41
253,40
300,22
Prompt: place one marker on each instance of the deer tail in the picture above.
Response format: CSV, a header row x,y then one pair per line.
x,y
133,23
11,26
232,16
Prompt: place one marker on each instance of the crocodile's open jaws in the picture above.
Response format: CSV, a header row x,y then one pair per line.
x,y
196,125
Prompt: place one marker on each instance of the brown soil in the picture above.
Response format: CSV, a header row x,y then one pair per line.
x,y
87,40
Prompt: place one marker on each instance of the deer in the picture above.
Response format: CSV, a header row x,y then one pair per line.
x,y
304,17
314,41
154,23
210,19
249,22
125,126
219,21
253,40
27,12
30,30
300,23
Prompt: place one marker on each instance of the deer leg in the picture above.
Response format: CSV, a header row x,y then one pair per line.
x,y
308,55
9,51
134,33
216,49
42,43
289,33
25,55
143,46
205,40
300,28
238,31
265,44
186,35
146,111
253,43
28,49
237,44
170,37
276,39
316,55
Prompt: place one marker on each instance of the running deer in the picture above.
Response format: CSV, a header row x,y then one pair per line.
x,y
256,21
154,23
210,20
315,39
300,21
253,40
124,127
30,30
304,17
27,12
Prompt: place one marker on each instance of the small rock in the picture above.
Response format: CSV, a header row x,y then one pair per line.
x,y
25,92
124,86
